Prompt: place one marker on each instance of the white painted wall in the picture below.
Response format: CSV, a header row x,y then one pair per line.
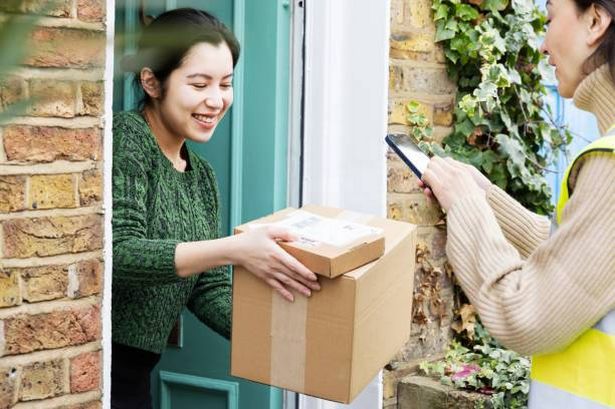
x,y
346,91
107,205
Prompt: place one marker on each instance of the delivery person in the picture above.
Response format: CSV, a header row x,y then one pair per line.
x,y
550,297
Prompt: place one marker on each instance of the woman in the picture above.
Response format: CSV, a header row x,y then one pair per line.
x,y
167,254
552,297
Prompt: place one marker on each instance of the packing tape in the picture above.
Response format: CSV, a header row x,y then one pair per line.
x,y
288,341
288,331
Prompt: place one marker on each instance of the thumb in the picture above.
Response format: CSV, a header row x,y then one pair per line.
x,y
281,233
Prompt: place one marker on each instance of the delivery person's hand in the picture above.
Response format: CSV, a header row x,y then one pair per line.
x,y
449,181
262,256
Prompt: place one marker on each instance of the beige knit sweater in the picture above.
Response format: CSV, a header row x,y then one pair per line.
x,y
537,293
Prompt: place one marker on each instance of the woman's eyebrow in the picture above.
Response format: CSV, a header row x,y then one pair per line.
x,y
207,76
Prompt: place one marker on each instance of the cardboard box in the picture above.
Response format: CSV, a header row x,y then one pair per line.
x,y
333,241
332,344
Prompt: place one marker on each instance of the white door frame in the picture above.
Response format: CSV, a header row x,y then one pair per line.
x,y
345,120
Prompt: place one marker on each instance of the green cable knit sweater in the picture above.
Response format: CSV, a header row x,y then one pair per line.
x,y
155,208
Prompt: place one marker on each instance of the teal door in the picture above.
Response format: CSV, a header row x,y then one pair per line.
x,y
248,153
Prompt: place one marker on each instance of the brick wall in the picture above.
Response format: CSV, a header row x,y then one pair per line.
x,y
51,223
417,72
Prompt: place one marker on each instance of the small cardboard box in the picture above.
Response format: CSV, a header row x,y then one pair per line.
x,y
332,344
332,241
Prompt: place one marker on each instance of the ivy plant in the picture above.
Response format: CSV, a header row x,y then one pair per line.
x,y
502,124
483,365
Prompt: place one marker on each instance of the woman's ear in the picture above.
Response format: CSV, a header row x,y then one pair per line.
x,y
599,20
150,83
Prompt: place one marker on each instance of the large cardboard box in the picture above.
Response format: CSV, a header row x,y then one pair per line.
x,y
332,344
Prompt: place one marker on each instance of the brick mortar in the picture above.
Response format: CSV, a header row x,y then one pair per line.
x,y
68,74
50,354
46,261
76,177
71,123
417,63
53,168
73,399
45,307
30,214
72,23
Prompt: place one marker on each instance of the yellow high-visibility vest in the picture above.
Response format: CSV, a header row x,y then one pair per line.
x,y
583,374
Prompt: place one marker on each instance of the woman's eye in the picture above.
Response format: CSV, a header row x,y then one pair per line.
x,y
226,86
200,86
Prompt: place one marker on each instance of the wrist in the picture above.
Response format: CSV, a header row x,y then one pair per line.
x,y
232,249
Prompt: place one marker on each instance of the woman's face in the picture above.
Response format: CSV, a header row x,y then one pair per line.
x,y
566,44
198,93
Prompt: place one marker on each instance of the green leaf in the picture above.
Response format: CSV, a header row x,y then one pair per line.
x,y
466,12
441,12
494,5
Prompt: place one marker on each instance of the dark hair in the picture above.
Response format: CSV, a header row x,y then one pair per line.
x,y
605,54
165,42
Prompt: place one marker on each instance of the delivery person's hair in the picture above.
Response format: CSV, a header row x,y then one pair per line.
x,y
165,42
605,54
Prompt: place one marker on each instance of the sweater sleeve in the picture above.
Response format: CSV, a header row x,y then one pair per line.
x,y
542,303
137,260
210,300
523,229
211,297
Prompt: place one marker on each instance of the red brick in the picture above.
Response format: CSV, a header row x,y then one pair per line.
x,y
89,277
414,208
91,10
87,405
48,236
44,283
400,178
65,47
42,380
12,193
443,114
55,8
10,292
12,89
53,98
85,372
8,384
434,81
28,333
90,187
52,191
92,94
46,144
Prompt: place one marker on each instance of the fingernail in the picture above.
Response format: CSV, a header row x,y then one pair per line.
x,y
307,293
314,277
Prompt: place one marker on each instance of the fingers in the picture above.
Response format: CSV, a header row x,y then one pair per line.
x,y
275,284
290,283
281,233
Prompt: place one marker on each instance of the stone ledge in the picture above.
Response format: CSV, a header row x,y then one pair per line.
x,y
421,392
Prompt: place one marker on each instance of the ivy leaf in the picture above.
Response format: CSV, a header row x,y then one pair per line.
x,y
495,5
466,12
442,32
441,12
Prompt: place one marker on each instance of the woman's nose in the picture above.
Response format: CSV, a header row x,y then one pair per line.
x,y
543,47
214,100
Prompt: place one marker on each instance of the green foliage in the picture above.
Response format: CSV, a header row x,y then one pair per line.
x,y
491,47
483,365
14,33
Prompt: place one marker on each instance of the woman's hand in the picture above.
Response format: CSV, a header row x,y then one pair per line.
x,y
259,253
449,181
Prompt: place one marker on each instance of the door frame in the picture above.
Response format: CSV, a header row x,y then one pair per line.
x,y
344,159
